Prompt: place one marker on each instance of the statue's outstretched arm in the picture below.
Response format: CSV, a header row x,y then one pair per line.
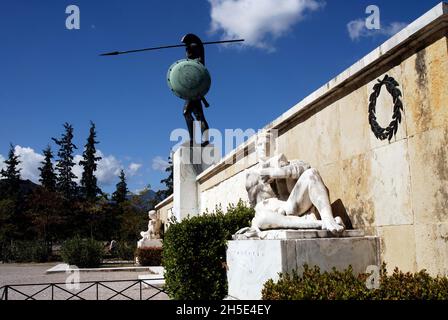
x,y
286,172
273,173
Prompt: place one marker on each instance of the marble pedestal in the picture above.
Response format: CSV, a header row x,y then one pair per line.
x,y
252,262
188,163
148,243
145,243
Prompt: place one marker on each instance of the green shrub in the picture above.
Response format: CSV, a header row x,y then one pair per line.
x,y
83,253
408,286
25,251
151,256
194,253
336,285
236,218
124,251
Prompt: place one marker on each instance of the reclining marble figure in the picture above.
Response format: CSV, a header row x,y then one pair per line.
x,y
287,195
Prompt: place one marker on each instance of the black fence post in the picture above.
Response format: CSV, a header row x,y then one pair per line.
x,y
6,293
140,282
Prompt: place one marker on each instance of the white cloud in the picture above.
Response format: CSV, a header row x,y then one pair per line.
x,y
2,162
133,168
159,164
357,29
108,169
394,28
30,161
258,21
107,172
77,169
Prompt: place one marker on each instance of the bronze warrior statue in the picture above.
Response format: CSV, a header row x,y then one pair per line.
x,y
195,50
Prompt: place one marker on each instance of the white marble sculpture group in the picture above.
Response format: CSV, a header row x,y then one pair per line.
x,y
151,237
287,195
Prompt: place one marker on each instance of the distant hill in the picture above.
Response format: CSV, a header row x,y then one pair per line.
x,y
26,186
147,195
145,199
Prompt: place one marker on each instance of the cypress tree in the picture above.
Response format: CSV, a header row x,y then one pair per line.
x,y
89,185
119,196
11,174
168,182
11,220
65,180
47,174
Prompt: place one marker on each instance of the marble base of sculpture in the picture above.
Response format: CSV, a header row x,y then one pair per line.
x,y
145,243
188,163
297,234
252,262
148,243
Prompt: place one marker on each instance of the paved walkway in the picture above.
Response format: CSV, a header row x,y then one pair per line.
x,y
12,274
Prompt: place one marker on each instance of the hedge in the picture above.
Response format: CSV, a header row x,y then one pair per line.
x,y
83,253
150,256
337,285
25,251
123,251
194,253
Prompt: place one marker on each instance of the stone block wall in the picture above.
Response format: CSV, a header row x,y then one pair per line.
x,y
397,190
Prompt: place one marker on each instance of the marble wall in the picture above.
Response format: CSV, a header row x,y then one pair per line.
x,y
397,190
165,211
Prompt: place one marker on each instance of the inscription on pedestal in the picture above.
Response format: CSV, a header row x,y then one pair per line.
x,y
253,262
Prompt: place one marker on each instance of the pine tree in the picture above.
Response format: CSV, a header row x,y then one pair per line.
x,y
47,175
11,175
65,180
168,182
10,219
119,196
88,181
45,213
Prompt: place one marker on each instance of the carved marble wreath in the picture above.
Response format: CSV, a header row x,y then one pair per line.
x,y
392,87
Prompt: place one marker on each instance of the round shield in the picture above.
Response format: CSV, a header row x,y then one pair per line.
x,y
189,79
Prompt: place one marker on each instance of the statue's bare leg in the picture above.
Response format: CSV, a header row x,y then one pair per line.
x,y
270,215
189,120
308,191
199,114
273,220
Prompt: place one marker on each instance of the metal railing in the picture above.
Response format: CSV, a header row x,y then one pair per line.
x,y
86,290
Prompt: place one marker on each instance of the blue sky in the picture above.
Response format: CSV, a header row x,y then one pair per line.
x,y
50,75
